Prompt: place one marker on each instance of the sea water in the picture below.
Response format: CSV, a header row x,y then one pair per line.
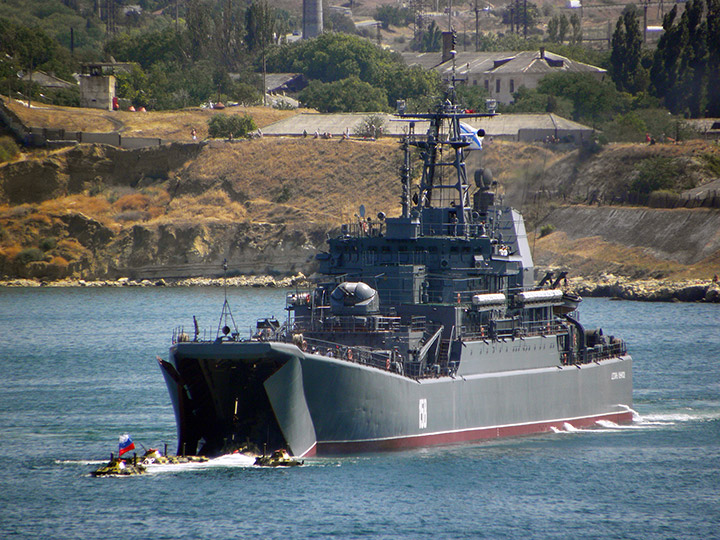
x,y
78,369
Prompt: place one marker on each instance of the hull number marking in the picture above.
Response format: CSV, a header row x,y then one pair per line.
x,y
422,408
615,375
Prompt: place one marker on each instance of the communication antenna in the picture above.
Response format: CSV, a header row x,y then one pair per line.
x,y
226,312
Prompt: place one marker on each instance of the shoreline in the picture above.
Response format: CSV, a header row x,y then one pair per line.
x,y
646,290
605,286
298,280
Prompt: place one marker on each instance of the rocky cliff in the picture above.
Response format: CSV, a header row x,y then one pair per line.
x,y
179,210
267,206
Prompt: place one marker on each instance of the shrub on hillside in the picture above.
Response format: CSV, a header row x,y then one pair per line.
x,y
223,125
712,162
29,255
46,244
658,173
8,148
371,126
546,229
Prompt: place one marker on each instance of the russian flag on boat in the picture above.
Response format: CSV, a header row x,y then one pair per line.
x,y
472,136
126,444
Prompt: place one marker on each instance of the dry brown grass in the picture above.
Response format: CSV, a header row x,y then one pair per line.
x,y
39,220
70,249
590,255
60,262
212,206
133,201
97,207
10,252
321,180
169,125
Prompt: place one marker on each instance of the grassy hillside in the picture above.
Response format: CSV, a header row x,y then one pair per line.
x,y
93,211
168,125
268,204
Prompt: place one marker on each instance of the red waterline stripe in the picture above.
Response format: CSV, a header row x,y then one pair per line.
x,y
310,452
399,443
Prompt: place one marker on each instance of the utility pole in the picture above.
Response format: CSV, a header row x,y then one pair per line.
x,y
477,27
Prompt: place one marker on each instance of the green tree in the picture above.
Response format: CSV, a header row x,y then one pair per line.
x,y
528,100
664,70
563,27
713,59
200,29
339,22
625,67
230,126
431,39
527,16
694,58
472,97
393,15
553,27
335,57
408,83
577,34
131,85
346,95
593,101
259,26
147,47
371,126
229,35
331,57
679,72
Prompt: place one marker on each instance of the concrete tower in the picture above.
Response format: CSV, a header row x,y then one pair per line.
x,y
312,18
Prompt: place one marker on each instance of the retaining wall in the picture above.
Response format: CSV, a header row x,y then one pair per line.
x,y
39,136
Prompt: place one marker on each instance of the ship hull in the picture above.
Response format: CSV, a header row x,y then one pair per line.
x,y
274,393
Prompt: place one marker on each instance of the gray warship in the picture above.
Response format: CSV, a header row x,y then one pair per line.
x,y
422,329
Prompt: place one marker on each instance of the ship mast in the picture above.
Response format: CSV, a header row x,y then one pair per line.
x,y
438,190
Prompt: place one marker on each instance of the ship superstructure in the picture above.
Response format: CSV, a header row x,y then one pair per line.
x,y
425,328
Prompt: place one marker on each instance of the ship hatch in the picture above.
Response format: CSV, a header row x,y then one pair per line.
x,y
228,407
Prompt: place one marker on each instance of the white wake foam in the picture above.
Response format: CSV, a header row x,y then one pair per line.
x,y
79,462
227,461
640,421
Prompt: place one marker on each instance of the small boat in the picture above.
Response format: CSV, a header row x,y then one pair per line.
x,y
118,466
279,458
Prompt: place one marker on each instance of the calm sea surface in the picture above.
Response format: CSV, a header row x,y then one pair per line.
x,y
78,369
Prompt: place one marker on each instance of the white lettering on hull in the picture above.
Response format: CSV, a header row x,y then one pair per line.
x,y
422,408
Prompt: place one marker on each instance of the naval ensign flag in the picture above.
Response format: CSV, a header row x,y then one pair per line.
x,y
471,134
126,444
